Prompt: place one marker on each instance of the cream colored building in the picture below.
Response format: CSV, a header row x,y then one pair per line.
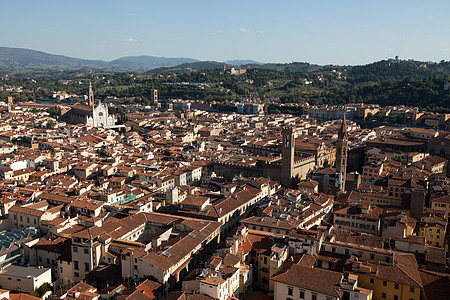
x,y
24,279
309,283
214,287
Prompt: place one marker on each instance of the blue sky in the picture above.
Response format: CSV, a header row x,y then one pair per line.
x,y
315,31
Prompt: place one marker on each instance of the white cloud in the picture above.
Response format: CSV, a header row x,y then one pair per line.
x,y
244,30
105,42
219,31
131,40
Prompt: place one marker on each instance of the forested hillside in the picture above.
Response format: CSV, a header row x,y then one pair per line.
x,y
386,83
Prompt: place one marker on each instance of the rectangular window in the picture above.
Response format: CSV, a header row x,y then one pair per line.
x,y
411,289
86,251
302,295
77,274
384,283
290,291
75,249
86,267
383,295
314,296
396,286
75,265
372,281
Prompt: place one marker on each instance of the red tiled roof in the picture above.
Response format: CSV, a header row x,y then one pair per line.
x,y
313,279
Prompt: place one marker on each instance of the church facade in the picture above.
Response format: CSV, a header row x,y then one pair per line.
x,y
100,117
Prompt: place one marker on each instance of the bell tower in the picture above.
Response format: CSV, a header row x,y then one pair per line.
x,y
91,96
287,154
341,156
154,96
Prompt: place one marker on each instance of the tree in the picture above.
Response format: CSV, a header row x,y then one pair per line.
x,y
50,125
53,111
122,119
44,288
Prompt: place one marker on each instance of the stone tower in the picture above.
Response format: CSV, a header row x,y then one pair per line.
x,y
287,152
154,96
91,96
341,156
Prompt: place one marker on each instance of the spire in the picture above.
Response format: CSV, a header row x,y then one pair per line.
x,y
341,156
91,95
343,130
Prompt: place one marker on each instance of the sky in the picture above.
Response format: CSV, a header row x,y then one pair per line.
x,y
315,31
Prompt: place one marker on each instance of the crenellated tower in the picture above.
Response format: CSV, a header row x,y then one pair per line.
x,y
287,152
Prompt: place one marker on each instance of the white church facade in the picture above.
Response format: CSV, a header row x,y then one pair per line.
x,y
100,117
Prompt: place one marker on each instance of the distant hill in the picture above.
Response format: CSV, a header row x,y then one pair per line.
x,y
241,62
207,65
18,58
292,67
200,65
151,62
22,59
391,70
26,59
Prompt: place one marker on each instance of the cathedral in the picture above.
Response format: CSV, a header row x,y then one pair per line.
x,y
90,115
